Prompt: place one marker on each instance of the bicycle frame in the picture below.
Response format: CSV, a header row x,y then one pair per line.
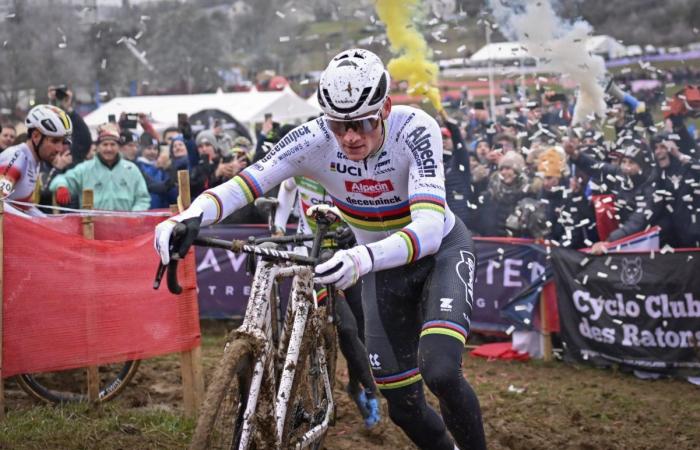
x,y
257,325
257,328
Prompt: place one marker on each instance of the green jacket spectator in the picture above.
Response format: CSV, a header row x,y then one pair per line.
x,y
117,184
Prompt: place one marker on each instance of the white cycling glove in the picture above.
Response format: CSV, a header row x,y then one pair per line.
x,y
164,230
345,267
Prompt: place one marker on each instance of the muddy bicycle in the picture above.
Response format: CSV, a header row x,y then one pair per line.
x,y
267,392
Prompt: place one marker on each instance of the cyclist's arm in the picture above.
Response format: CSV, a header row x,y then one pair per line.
x,y
286,196
423,236
12,166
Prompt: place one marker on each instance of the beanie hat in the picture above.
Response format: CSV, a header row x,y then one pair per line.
x,y
205,137
637,151
513,160
550,163
108,132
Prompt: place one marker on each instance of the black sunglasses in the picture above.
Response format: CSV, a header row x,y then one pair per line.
x,y
361,126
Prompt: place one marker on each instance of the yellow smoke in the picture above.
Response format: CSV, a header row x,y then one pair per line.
x,y
413,63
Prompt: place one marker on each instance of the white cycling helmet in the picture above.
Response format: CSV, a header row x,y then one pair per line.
x,y
354,84
49,120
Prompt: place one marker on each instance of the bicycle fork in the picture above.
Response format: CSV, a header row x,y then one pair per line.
x,y
257,325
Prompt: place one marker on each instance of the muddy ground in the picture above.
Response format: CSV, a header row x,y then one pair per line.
x,y
529,405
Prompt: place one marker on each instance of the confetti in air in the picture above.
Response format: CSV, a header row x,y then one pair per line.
x,y
412,62
559,43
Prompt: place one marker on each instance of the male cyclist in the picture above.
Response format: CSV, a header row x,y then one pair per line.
x,y
48,127
382,167
348,309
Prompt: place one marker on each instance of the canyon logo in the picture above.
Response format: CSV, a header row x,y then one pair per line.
x,y
369,188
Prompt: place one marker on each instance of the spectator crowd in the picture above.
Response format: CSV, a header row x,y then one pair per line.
x,y
527,172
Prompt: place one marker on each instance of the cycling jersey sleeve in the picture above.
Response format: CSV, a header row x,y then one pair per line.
x,y
289,157
426,195
285,196
12,166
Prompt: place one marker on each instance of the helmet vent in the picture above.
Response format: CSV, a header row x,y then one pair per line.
x,y
380,93
49,125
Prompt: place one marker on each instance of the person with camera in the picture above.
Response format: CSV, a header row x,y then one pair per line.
x,y
155,164
506,187
268,136
117,184
81,139
48,128
215,165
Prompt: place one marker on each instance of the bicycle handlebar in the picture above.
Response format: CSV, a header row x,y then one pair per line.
x,y
238,246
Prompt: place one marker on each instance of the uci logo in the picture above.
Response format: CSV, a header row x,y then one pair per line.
x,y
342,168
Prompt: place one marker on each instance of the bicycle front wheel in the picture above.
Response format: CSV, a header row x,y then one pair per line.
x,y
69,386
220,420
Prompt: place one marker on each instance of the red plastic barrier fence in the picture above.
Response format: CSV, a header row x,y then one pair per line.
x,y
70,302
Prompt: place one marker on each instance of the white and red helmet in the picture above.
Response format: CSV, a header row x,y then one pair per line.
x,y
49,120
354,84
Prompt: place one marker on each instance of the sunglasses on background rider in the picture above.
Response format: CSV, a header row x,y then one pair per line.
x,y
361,126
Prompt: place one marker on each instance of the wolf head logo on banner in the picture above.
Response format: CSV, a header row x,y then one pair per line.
x,y
631,272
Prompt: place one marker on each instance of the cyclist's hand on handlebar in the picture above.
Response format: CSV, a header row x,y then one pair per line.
x,y
323,211
175,235
345,267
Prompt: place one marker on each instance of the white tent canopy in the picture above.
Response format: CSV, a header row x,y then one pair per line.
x,y
246,107
499,51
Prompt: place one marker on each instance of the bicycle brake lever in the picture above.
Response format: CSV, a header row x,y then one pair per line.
x,y
159,275
173,285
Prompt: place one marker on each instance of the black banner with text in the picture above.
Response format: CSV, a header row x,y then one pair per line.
x,y
638,310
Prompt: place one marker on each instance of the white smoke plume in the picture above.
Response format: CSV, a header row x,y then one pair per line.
x,y
558,43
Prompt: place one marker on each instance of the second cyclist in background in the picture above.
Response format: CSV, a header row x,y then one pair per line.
x,y
348,307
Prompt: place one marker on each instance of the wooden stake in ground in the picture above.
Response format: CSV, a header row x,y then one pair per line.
x,y
93,372
546,336
2,382
191,360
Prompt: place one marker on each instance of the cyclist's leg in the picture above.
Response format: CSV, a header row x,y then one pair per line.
x,y
361,386
392,327
447,307
351,345
354,297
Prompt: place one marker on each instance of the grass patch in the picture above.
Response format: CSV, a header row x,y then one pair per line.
x,y
81,426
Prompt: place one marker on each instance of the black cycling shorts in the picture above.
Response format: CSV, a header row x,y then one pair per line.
x,y
433,295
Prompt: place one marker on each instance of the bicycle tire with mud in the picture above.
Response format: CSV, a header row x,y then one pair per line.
x,y
221,416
